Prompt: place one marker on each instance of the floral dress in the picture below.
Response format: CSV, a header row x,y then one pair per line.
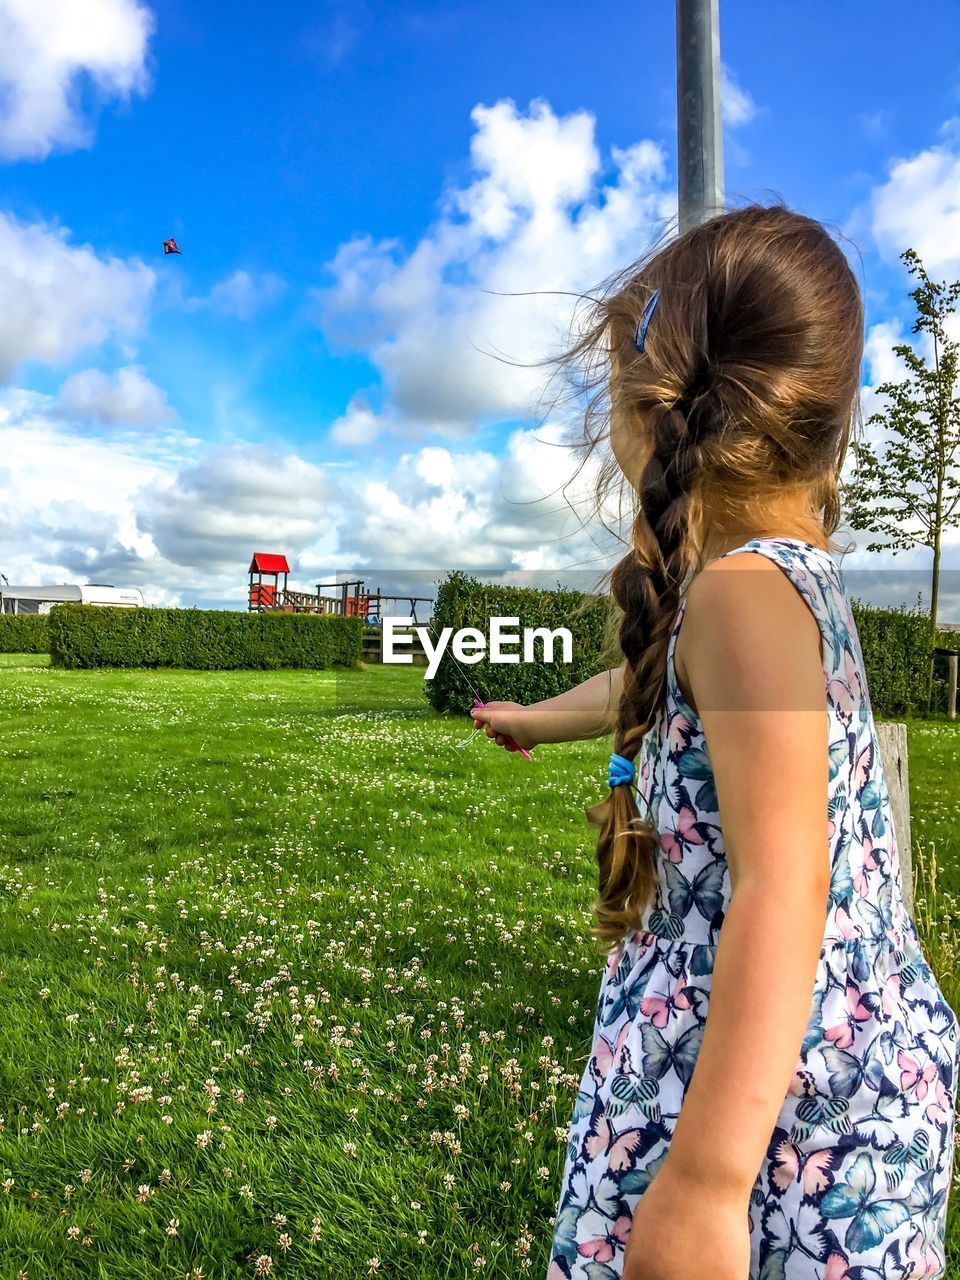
x,y
855,1179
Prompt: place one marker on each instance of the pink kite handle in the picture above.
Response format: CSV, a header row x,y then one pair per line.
x,y
509,743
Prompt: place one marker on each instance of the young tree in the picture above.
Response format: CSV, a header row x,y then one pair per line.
x,y
907,490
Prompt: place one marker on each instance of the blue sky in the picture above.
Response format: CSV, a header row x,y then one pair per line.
x,y
345,181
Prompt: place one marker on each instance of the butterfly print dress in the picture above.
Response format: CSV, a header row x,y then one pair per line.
x,y
855,1179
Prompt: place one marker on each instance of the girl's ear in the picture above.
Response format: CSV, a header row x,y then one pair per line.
x,y
626,443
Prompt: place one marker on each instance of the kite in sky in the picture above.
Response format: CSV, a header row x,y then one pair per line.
x,y
171,246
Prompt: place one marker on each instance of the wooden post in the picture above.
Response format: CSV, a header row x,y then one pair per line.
x,y
893,752
952,686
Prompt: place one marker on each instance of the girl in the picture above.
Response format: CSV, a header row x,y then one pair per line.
x,y
771,1090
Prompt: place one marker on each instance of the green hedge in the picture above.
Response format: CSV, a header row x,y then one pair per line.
x,y
896,655
204,639
463,601
895,644
24,633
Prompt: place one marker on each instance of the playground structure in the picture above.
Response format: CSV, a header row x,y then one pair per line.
x,y
349,599
264,595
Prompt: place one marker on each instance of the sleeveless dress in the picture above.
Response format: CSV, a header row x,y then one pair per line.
x,y
855,1180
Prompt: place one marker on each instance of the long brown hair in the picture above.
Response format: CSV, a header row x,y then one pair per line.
x,y
747,383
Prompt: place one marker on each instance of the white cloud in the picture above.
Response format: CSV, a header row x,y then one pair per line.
x,y
439,508
359,426
66,501
919,207
59,298
540,214
242,294
882,365
738,106
214,513
127,396
179,520
50,52
154,511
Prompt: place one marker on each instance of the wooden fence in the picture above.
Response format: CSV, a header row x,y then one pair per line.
x,y
373,646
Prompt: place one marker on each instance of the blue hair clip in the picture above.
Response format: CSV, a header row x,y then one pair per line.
x,y
621,771
640,334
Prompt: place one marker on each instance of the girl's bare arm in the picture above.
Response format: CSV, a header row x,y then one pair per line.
x,y
752,649
586,711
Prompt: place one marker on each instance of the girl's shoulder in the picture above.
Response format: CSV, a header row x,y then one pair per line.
x,y
763,602
790,553
811,569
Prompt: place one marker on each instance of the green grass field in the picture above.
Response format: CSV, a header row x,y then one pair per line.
x,y
293,985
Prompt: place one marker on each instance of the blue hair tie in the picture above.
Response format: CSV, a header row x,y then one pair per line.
x,y
640,333
621,771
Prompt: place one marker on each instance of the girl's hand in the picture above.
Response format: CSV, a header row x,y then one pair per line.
x,y
503,721
688,1232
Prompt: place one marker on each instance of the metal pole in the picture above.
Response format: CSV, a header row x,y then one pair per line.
x,y
699,116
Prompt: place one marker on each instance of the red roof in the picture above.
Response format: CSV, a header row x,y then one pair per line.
x,y
264,563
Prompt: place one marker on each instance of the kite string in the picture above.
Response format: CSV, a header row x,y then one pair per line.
x,y
476,693
478,702
466,741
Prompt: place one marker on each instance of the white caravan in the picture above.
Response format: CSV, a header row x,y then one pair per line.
x,y
42,599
